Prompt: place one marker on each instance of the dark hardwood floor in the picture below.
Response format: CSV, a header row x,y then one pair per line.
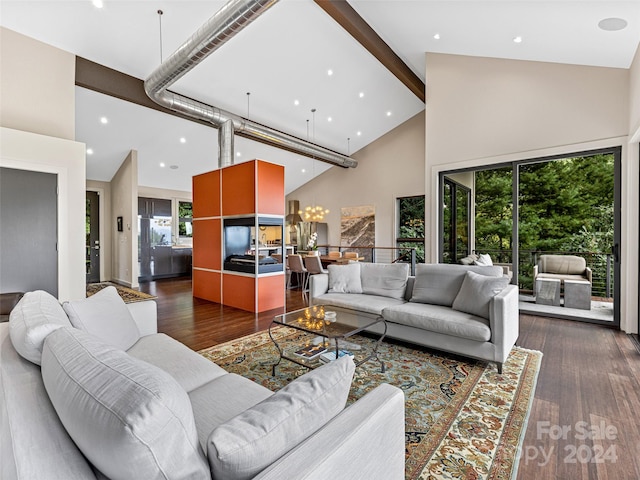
x,y
585,417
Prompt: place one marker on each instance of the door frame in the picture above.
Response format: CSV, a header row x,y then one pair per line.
x,y
104,251
616,150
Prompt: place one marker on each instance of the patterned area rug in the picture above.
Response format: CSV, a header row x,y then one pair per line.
x,y
128,294
463,419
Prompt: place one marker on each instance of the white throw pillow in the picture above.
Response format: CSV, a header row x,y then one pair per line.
x,y
106,316
36,315
253,440
484,260
476,293
129,418
345,278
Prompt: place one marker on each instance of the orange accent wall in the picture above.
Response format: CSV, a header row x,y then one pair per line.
x,y
206,194
207,285
207,244
239,291
270,188
238,189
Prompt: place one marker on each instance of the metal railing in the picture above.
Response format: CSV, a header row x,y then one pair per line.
x,y
601,265
376,254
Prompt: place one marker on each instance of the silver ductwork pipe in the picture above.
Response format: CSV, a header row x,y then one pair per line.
x,y
220,28
225,144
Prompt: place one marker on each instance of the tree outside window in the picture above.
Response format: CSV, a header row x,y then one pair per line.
x,y
411,231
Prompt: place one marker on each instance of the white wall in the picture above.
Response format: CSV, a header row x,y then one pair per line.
x,y
390,167
37,86
124,195
66,159
37,116
484,111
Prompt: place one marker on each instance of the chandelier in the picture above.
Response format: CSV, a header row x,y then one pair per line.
x,y
313,213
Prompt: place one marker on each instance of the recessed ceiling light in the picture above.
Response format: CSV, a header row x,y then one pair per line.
x,y
296,102
437,36
329,119
304,170
359,133
89,151
183,140
104,120
162,164
388,113
361,94
238,154
329,72
97,3
612,24
517,39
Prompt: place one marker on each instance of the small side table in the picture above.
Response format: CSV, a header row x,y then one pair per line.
x,y
548,291
577,294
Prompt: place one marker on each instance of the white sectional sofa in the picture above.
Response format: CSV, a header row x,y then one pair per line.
x,y
467,310
93,391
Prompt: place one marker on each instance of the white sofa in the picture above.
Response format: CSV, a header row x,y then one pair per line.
x,y
98,407
467,310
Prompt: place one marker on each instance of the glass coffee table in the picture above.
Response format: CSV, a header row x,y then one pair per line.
x,y
328,334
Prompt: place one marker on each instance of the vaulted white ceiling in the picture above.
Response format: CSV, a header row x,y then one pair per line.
x,y
285,57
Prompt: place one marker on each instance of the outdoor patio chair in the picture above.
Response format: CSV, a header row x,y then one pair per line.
x,y
561,267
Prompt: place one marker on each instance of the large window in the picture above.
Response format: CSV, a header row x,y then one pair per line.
x,y
411,232
456,200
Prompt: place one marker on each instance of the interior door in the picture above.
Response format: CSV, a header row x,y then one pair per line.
x,y
29,231
93,237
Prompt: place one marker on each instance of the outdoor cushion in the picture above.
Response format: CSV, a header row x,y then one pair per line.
x,y
560,276
562,264
484,260
345,278
388,280
106,316
439,284
190,369
440,319
476,293
36,315
129,418
257,437
357,301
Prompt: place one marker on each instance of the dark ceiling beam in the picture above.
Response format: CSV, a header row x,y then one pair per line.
x,y
352,22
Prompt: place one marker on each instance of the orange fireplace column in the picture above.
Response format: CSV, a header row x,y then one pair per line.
x,y
247,193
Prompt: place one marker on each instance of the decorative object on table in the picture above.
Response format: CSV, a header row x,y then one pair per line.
x,y
464,420
358,228
311,351
330,315
128,294
330,356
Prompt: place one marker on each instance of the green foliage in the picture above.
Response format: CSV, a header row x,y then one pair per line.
x,y
411,225
564,206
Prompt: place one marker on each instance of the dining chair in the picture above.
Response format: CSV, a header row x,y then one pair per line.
x,y
296,265
352,255
314,266
334,254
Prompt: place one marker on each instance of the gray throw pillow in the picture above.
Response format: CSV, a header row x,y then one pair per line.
x,y
129,418
106,316
345,278
476,293
385,279
36,315
248,443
